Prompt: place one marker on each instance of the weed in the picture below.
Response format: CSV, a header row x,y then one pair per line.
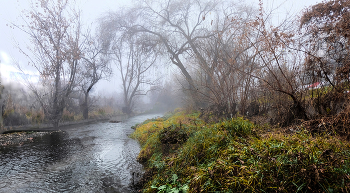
x,y
67,116
172,187
235,155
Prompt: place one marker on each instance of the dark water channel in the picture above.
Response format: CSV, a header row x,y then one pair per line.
x,y
91,158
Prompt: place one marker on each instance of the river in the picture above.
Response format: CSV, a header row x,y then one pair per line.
x,y
91,158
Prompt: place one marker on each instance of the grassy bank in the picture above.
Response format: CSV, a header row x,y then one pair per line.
x,y
181,152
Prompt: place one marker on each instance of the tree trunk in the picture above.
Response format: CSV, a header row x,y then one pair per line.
x,y
1,112
192,88
86,107
127,110
55,123
56,108
300,110
55,112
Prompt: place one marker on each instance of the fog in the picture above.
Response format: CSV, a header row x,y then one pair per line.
x,y
128,57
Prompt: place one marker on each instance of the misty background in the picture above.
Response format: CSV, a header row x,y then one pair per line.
x,y
10,11
163,83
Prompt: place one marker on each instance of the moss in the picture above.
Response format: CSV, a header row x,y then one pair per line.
x,y
237,156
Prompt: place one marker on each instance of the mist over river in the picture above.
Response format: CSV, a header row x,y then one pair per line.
x,y
91,158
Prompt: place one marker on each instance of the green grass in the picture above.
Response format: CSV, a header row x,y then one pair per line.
x,y
237,156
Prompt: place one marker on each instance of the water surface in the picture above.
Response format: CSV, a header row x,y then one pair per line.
x,y
91,158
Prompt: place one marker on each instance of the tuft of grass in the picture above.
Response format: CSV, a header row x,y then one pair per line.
x,y
235,155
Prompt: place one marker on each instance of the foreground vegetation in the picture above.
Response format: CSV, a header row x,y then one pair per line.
x,y
182,153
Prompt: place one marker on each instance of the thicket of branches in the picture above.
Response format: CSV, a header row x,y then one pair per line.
x,y
68,60
231,58
234,61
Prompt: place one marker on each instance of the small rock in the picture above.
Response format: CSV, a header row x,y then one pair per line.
x,y
113,121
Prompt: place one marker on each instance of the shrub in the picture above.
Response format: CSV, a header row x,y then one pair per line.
x,y
13,118
101,111
67,116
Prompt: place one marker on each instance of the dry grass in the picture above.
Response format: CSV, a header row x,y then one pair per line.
x,y
237,156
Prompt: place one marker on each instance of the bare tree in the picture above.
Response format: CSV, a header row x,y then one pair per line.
x,y
193,34
134,57
326,45
95,65
54,30
325,27
177,24
1,103
225,82
280,66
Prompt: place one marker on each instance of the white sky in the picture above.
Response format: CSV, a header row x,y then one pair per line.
x,y
10,11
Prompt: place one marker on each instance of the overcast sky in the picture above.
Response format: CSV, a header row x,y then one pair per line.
x,y
10,11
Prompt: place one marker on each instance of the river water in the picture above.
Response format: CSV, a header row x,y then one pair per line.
x,y
91,158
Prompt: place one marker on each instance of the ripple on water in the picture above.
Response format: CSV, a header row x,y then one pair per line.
x,y
92,158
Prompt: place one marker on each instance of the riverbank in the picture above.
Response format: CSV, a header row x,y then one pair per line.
x,y
18,138
62,126
182,152
17,135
